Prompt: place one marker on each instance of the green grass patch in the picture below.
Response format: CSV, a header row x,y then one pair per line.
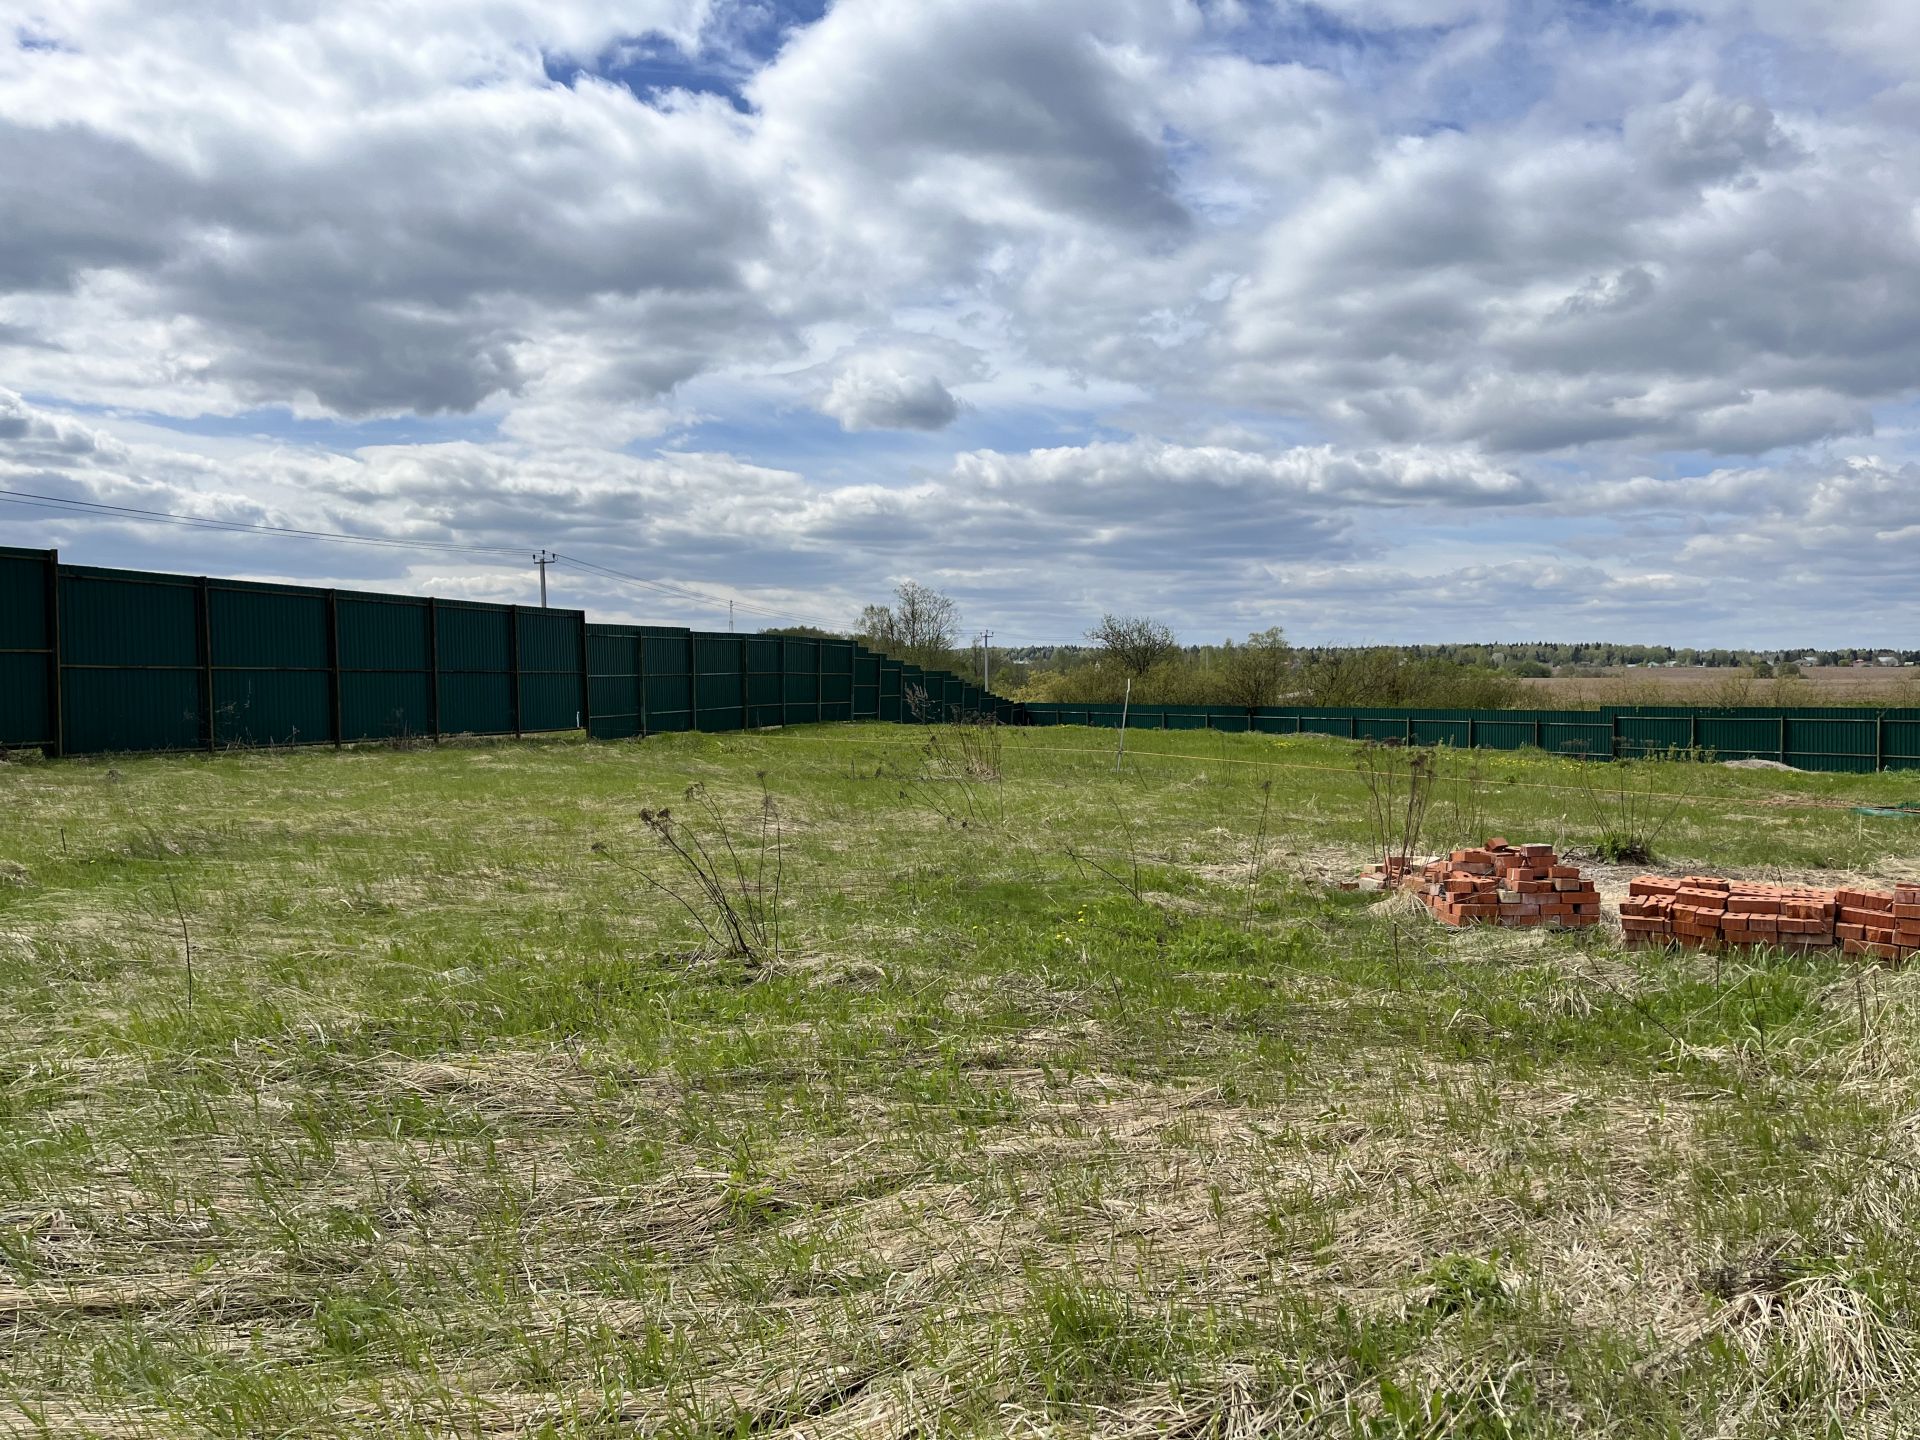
x,y
429,1091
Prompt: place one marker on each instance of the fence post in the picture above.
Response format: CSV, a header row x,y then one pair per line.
x,y
746,689
640,680
1470,741
1536,734
205,617
586,679
1783,739
56,673
433,667
1613,734
693,683
513,664
820,681
333,665
1879,741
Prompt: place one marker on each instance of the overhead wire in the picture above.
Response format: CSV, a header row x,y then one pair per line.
x,y
102,510
695,596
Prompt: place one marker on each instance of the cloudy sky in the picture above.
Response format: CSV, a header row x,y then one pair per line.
x,y
1381,320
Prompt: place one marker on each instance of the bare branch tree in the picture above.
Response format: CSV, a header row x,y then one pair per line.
x,y
1133,642
921,626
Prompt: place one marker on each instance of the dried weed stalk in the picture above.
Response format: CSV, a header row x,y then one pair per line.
x,y
733,898
955,764
1399,781
1628,813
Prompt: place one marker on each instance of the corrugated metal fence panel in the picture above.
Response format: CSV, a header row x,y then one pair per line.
x,y
386,690
719,662
1455,732
378,633
1743,737
836,679
549,641
800,688
473,638
668,681
26,649
127,619
1900,744
551,695
385,705
272,707
866,684
613,681
1821,743
272,680
26,706
551,701
1644,735
263,629
131,662
891,710
913,694
763,681
23,599
475,702
1585,737
473,648
127,709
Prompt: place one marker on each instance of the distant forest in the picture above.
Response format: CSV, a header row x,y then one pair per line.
x,y
1520,656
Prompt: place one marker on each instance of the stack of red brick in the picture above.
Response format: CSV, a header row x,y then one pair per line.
x,y
1885,925
1509,885
1705,912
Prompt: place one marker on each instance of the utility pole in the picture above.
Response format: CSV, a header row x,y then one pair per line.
x,y
543,559
986,661
729,617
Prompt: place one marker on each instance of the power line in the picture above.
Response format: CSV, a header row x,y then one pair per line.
x,y
695,596
103,511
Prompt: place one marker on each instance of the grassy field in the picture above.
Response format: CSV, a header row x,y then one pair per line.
x,y
386,1092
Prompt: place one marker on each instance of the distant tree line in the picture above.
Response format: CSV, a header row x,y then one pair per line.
x,y
1143,656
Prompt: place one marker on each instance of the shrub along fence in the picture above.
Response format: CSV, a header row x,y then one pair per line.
x,y
96,660
1840,738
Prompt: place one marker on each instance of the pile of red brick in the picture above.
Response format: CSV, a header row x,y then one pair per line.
x,y
1509,885
1885,925
1705,912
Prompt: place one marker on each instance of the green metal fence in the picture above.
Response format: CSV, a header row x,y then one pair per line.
x,y
1834,739
106,660
109,660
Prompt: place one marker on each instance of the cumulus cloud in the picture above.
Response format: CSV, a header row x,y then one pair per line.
x,y
870,396
1430,310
